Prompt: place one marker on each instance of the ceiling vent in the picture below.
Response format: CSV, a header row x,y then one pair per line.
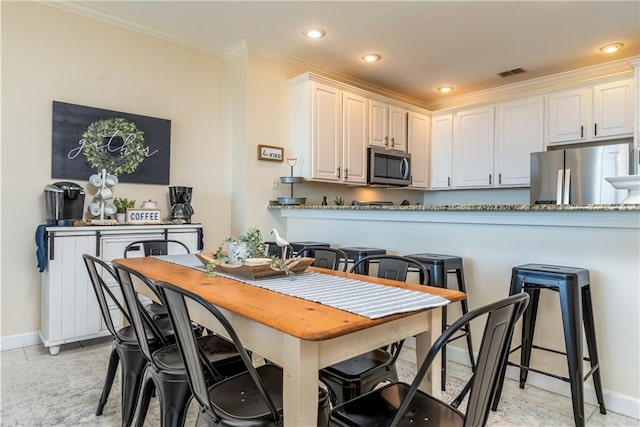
x,y
511,72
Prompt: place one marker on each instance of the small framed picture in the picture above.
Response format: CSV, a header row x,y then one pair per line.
x,y
267,152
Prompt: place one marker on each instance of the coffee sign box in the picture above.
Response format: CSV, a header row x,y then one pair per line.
x,y
144,216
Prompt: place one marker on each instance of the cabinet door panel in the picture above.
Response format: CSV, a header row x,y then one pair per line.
x,y
613,109
473,148
397,128
519,132
354,137
418,134
326,131
567,116
441,151
378,132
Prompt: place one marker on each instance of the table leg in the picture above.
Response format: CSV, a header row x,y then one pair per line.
x,y
300,382
424,341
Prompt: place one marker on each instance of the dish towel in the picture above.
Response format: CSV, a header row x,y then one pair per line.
x,y
41,243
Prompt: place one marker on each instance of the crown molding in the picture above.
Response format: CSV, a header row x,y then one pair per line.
x,y
90,10
581,75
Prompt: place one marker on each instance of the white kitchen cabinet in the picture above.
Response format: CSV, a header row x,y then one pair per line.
x,y
591,113
388,126
418,138
68,305
330,132
354,138
441,151
518,133
473,147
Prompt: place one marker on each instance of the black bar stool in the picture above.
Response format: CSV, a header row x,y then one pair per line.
x,y
356,253
575,303
439,266
298,246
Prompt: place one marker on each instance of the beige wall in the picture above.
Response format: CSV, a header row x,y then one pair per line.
x,y
51,55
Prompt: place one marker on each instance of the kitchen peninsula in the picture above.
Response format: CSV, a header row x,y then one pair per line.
x,y
605,239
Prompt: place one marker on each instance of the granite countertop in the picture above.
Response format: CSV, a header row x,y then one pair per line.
x,y
527,208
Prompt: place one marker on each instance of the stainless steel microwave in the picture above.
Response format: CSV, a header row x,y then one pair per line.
x,y
388,167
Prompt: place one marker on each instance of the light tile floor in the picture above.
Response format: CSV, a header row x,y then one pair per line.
x,y
37,389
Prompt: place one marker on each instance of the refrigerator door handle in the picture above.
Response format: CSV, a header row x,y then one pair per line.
x,y
567,186
559,180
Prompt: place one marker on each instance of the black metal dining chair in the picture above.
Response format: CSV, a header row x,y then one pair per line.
x,y
353,377
402,404
326,257
126,350
253,398
155,247
165,371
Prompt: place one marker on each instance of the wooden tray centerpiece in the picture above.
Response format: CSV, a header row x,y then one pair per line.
x,y
257,268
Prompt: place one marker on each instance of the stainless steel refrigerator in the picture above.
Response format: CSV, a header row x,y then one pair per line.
x,y
576,176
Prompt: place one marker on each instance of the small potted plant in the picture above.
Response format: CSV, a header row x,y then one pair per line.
x,y
247,245
122,205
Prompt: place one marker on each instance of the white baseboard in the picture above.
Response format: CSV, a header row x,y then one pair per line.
x,y
614,402
21,340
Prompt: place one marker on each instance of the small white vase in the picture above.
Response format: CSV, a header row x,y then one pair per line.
x,y
236,251
120,217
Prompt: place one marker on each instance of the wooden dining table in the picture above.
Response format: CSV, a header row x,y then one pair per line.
x,y
299,335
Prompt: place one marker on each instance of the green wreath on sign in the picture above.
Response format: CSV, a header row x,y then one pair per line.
x,y
115,145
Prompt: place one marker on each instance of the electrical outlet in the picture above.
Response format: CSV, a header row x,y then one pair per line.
x,y
274,183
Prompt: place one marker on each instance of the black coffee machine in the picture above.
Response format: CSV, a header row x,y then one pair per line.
x,y
180,198
64,203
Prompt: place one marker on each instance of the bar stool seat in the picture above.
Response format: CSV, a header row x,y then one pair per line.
x,y
356,253
573,286
439,266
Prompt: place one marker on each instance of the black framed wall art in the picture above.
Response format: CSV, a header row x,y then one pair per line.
x,y
86,140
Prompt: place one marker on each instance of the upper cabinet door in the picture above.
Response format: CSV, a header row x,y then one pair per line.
x,y
378,129
418,136
613,109
326,131
519,132
441,151
397,128
568,116
473,147
354,137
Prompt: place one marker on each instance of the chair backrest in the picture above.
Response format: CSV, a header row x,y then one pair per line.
x,y
394,267
97,269
175,299
145,328
502,316
326,257
156,247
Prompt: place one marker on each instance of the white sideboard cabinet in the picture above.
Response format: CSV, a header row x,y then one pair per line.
x,y
69,309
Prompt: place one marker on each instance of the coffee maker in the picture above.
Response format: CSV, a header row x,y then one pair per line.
x,y
64,203
180,198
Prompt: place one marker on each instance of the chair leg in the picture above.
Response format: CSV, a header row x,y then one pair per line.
x,y
174,396
465,310
570,301
528,330
146,392
114,359
590,335
133,365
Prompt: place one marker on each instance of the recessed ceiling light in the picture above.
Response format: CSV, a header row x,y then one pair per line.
x,y
611,47
314,33
371,57
445,89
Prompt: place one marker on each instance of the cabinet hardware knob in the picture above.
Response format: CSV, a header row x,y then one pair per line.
x,y
582,131
393,142
500,178
386,141
346,173
338,170
489,179
595,129
448,181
